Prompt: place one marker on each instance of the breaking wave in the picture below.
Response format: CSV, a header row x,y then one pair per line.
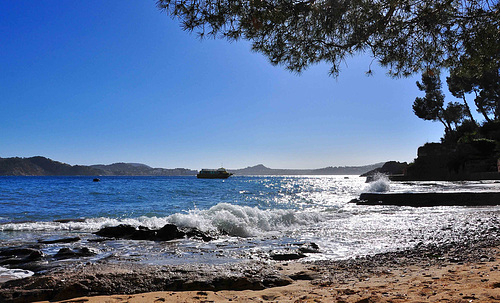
x,y
380,184
234,220
244,221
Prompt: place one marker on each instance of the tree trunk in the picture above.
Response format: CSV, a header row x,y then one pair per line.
x,y
467,110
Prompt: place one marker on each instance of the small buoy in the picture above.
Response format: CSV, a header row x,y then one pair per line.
x,y
97,179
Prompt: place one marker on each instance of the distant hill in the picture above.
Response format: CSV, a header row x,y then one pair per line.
x,y
41,166
259,170
137,169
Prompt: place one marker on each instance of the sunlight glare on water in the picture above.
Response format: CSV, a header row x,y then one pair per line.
x,y
251,215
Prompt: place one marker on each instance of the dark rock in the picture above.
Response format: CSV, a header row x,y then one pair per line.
x,y
14,256
476,160
309,247
166,233
120,231
169,232
68,253
305,275
198,234
282,256
69,220
16,251
72,290
99,240
62,240
24,258
37,255
428,199
143,233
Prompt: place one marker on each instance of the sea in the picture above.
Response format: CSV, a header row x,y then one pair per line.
x,y
252,217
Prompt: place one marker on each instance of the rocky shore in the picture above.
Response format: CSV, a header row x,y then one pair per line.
x,y
340,280
430,199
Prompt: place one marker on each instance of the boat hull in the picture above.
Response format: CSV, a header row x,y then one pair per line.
x,y
220,173
222,176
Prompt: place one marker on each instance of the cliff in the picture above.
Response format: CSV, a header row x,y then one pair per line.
x,y
476,160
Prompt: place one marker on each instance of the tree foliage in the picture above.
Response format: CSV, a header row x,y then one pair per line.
x,y
431,106
477,71
406,36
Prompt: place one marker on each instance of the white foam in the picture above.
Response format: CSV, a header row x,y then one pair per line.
x,y
92,224
11,274
380,184
243,221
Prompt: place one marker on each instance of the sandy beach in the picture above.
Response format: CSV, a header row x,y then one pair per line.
x,y
464,282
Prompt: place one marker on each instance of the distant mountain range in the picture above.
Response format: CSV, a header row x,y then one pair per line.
x,y
260,170
41,166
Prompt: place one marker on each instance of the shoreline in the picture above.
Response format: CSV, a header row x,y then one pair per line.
x,y
463,270
462,282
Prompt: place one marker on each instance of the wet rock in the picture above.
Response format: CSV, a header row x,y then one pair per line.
x,y
309,248
102,279
169,232
68,253
198,234
143,233
69,220
23,258
287,256
14,256
166,233
16,251
62,240
120,231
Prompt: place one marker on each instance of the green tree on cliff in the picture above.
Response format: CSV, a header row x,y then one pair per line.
x,y
406,36
431,106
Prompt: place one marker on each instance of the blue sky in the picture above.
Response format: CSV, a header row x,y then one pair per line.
x,y
88,82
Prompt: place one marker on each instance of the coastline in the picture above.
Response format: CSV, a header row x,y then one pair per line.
x,y
459,271
477,281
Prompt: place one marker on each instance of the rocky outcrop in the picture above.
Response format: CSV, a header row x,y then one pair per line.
x,y
390,168
60,240
98,279
166,233
465,161
430,199
71,253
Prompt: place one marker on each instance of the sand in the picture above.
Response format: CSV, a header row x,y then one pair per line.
x,y
477,281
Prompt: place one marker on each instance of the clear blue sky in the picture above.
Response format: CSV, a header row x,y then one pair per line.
x,y
88,82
